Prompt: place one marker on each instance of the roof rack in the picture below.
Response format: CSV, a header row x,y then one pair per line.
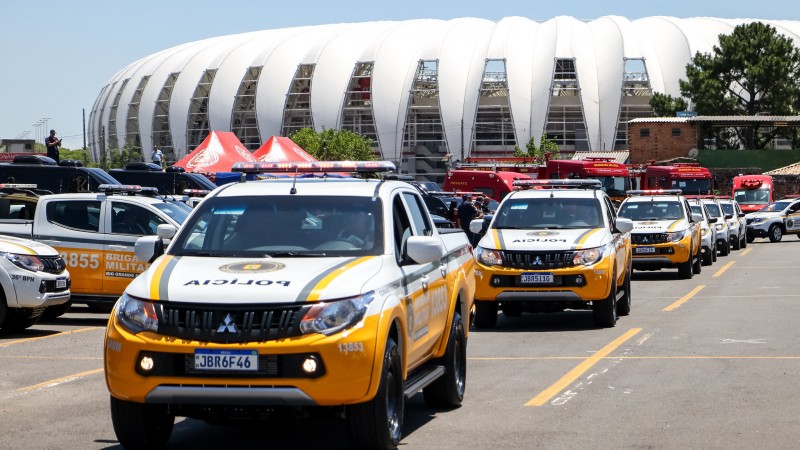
x,y
129,189
651,192
558,184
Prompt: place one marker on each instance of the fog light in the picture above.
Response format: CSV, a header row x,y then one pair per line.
x,y
146,363
579,280
310,365
496,281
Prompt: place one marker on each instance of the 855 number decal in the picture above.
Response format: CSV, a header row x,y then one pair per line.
x,y
81,260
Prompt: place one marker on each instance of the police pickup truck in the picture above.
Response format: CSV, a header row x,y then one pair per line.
x,y
557,246
94,233
775,220
293,293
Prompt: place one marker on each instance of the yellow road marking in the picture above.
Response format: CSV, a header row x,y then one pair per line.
x,y
58,381
20,341
723,269
685,298
580,369
746,251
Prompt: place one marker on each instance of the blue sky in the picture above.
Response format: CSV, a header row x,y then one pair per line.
x,y
56,55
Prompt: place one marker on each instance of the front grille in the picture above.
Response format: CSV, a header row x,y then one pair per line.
x,y
229,323
50,286
538,260
648,238
269,366
53,264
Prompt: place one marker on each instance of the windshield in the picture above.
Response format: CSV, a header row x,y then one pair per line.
x,y
653,210
727,208
263,226
695,186
615,186
775,207
713,210
177,211
547,213
752,196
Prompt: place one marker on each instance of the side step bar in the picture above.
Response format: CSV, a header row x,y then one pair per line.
x,y
422,378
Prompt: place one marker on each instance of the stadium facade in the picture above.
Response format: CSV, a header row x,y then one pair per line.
x,y
425,91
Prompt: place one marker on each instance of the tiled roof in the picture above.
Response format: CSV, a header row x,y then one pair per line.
x,y
620,156
791,169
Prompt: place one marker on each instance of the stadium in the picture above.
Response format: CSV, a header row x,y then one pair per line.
x,y
427,92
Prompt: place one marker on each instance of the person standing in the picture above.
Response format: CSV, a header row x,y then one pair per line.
x,y
467,212
157,156
53,143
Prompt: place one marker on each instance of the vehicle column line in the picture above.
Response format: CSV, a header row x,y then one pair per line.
x,y
684,299
580,369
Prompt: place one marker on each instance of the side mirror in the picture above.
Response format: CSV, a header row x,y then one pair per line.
x,y
728,216
741,214
697,217
148,248
424,249
476,225
712,220
166,231
624,225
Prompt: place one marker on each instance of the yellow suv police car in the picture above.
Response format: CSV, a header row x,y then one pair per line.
x,y
665,231
557,245
293,293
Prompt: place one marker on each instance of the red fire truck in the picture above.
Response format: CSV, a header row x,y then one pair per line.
x,y
690,178
494,183
753,192
615,177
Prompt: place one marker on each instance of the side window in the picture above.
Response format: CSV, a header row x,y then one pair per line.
x,y
795,207
417,209
688,209
401,228
76,214
133,219
611,214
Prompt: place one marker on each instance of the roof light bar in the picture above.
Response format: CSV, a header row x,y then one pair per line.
x,y
564,183
17,186
196,192
119,188
315,167
655,192
702,196
787,196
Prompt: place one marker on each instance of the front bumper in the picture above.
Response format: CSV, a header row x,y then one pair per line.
x,y
347,362
668,254
38,289
760,229
503,284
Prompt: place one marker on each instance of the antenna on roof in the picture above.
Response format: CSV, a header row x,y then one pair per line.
x,y
293,190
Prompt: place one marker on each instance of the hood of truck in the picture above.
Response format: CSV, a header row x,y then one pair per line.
x,y
764,215
659,226
194,279
9,244
544,240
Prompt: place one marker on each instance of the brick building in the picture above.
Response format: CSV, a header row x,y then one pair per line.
x,y
661,138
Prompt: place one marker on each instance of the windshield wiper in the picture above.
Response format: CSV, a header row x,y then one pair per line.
x,y
507,227
204,254
284,254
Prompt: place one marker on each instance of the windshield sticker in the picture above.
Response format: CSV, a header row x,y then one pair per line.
x,y
232,210
520,206
252,267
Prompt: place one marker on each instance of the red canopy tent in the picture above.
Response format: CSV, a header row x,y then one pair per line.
x,y
281,149
216,153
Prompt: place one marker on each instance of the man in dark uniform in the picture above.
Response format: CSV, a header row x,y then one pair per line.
x,y
467,212
52,143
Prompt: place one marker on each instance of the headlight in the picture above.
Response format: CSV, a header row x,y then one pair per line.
x,y
489,257
27,262
758,220
720,226
676,236
333,316
706,231
588,256
136,315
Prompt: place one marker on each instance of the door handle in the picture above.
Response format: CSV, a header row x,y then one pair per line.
x,y
424,281
118,247
443,270
50,242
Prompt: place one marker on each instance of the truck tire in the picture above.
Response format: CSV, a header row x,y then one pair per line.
x,y
726,249
624,305
378,423
714,253
485,314
685,270
736,243
708,257
605,311
140,426
697,267
743,242
14,319
448,390
775,233
750,237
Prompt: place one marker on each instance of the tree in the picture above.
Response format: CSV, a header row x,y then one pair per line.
x,y
118,158
334,145
754,70
667,106
538,153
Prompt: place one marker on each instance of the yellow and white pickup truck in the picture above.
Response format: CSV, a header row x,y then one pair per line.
x,y
666,233
293,293
94,233
558,245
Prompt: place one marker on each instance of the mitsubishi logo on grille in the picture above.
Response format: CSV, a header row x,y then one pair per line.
x,y
644,239
227,325
538,262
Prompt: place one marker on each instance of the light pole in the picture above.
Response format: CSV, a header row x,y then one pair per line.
x,y
37,126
